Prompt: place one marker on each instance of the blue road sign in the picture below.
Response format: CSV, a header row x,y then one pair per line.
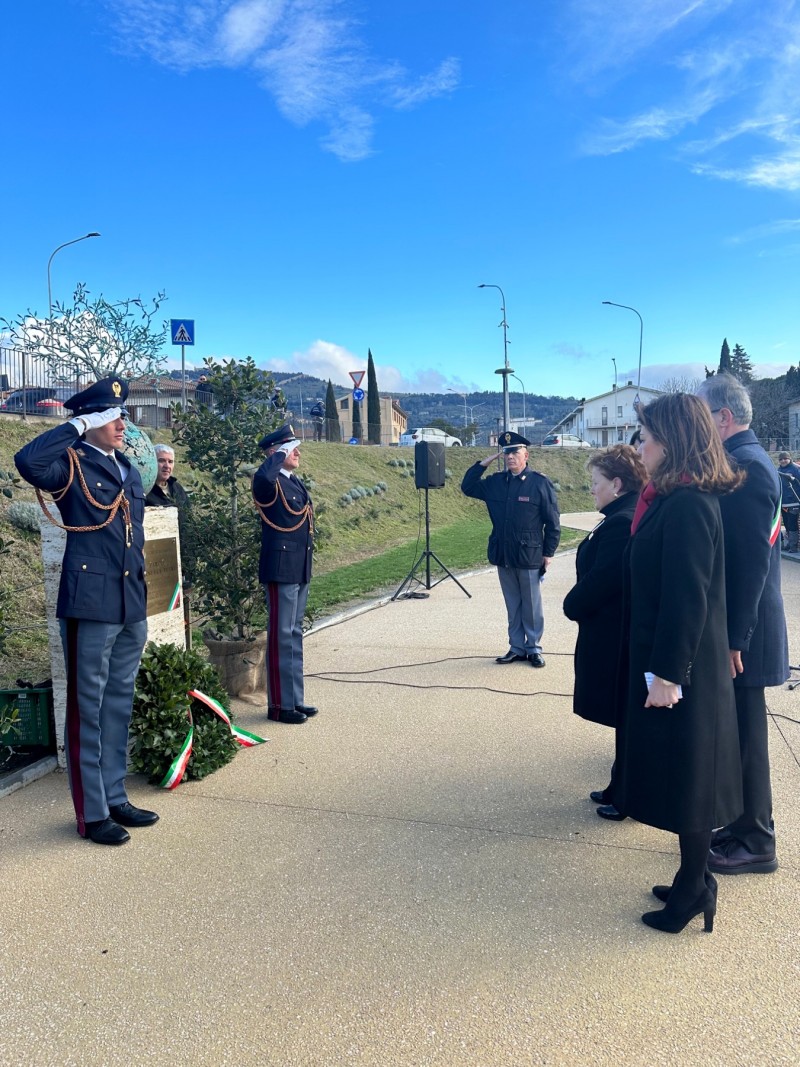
x,y
353,441
358,395
182,331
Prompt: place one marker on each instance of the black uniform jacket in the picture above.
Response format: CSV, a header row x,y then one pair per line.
x,y
524,514
102,578
679,768
790,485
287,537
756,620
595,603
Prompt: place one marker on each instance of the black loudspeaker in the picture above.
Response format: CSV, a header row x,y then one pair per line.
x,y
429,464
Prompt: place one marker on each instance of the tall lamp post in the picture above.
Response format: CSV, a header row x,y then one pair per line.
x,y
464,396
616,432
524,416
641,333
505,370
66,244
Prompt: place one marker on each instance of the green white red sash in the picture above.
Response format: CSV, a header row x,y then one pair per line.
x,y
178,768
776,527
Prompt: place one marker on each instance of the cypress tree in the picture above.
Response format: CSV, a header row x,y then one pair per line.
x,y
725,358
373,403
333,431
741,366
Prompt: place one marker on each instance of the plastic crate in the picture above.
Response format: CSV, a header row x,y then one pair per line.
x,y
32,727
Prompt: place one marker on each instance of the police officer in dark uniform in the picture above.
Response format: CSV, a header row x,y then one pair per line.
x,y
102,598
525,534
287,545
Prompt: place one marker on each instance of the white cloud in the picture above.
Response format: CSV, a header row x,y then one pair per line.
x,y
307,54
326,360
731,73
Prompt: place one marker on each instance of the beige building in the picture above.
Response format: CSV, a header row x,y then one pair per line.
x,y
393,419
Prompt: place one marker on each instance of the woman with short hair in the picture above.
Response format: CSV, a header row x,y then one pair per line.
x,y
595,601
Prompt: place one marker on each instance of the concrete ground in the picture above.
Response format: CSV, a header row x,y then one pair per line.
x,y
415,877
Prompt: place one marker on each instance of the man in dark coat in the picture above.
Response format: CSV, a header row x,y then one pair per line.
x,y
756,623
102,598
287,545
167,491
525,534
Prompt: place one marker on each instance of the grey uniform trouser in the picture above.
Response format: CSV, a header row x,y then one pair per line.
x,y
286,604
102,660
523,597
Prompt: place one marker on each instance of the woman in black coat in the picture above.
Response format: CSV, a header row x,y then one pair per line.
x,y
595,601
678,764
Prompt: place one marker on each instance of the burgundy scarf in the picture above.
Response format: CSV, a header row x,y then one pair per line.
x,y
648,495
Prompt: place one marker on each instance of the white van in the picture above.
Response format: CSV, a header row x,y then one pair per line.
x,y
429,433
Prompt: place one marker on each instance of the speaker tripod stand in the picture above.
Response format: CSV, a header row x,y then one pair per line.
x,y
425,559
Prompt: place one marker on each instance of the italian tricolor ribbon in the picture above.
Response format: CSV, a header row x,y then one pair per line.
x,y
776,527
178,768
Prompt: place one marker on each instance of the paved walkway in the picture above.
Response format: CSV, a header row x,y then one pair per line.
x,y
415,877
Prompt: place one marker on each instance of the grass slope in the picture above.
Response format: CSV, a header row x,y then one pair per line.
x,y
364,549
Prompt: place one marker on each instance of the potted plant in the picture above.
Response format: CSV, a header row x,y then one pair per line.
x,y
221,444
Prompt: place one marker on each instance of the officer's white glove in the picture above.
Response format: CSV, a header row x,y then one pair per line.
x,y
289,446
94,419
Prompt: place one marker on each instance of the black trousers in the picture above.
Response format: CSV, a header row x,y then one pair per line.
x,y
754,828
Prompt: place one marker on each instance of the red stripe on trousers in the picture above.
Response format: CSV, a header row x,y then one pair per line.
x,y
273,670
73,725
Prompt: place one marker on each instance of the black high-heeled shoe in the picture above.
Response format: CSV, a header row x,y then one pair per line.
x,y
662,892
672,922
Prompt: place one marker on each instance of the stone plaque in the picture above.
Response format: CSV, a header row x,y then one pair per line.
x,y
163,577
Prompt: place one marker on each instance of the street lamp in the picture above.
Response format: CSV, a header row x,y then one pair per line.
x,y
641,332
616,432
85,237
464,395
505,370
524,416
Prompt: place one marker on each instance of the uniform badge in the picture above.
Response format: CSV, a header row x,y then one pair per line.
x,y
116,389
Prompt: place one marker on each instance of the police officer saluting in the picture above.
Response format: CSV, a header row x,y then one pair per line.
x,y
101,599
287,546
525,534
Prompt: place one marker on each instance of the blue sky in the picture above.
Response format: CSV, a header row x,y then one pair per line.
x,y
308,179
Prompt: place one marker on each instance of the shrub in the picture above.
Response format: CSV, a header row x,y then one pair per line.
x,y
161,708
24,515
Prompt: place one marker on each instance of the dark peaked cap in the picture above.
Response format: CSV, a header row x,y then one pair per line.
x,y
107,393
278,437
510,441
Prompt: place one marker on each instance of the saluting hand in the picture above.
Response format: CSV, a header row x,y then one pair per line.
x,y
94,419
490,459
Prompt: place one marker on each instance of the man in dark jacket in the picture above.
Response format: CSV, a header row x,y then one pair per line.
x,y
102,598
756,623
287,544
525,534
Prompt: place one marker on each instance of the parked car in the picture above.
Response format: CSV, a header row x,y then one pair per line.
x,y
565,440
37,401
429,433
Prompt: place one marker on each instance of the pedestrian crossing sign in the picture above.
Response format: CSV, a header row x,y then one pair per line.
x,y
182,331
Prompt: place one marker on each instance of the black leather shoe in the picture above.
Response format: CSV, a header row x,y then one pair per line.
x,y
608,811
510,657
106,832
733,858
286,715
598,796
127,815
536,659
306,709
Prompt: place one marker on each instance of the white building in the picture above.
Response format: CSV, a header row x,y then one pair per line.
x,y
607,418
794,427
